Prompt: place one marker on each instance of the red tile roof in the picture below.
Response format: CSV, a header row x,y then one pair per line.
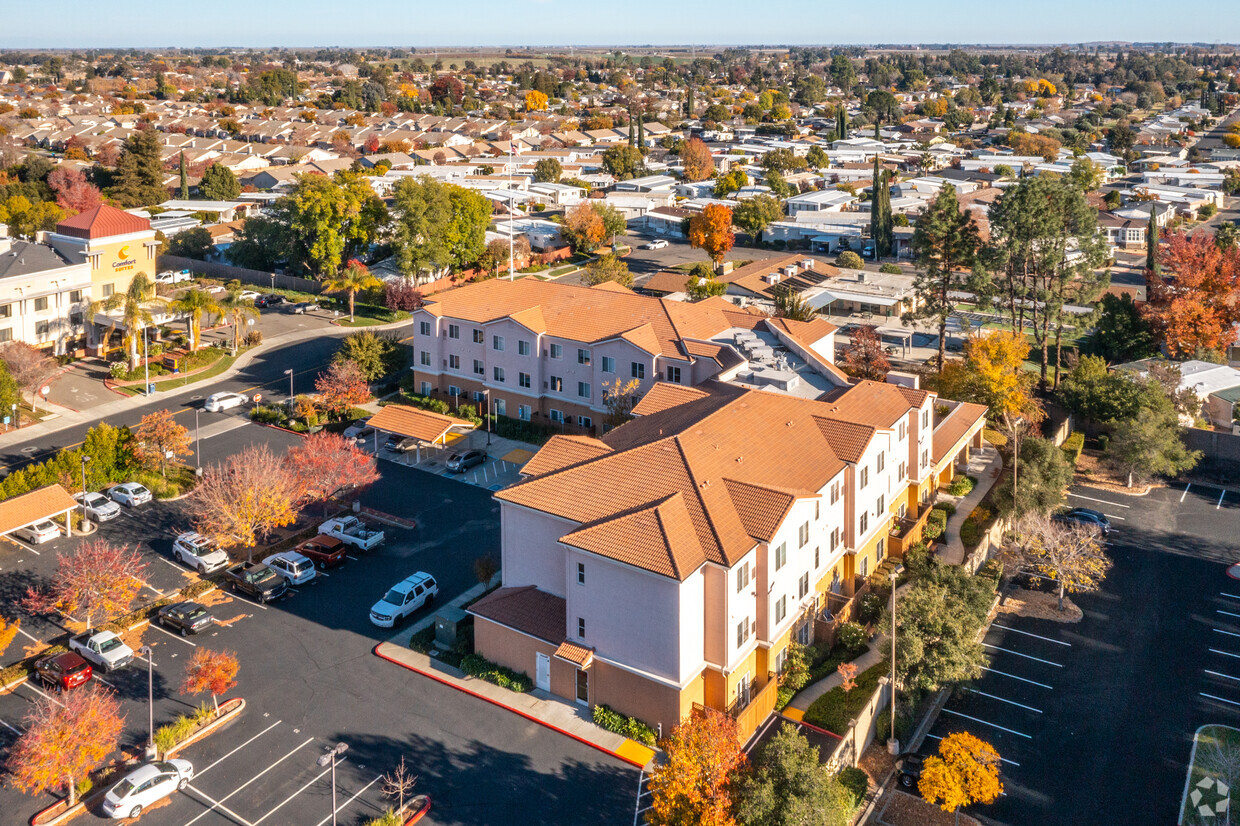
x,y
525,609
578,655
964,419
27,508
102,222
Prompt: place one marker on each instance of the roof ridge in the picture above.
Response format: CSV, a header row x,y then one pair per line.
x,y
697,491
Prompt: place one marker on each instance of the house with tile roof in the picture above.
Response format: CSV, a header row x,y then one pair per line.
x,y
670,563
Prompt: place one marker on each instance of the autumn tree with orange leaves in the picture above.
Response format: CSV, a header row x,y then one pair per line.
x,y
583,227
159,436
696,159
94,581
694,786
965,771
64,740
711,230
865,357
1194,296
213,671
341,387
328,464
245,497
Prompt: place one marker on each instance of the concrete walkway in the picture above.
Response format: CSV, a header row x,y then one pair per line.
x,y
804,698
984,466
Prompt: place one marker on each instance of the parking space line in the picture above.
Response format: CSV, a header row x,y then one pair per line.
x,y
360,792
1187,488
1001,759
171,564
1220,699
1220,674
29,636
215,804
309,783
174,636
1220,498
105,682
1226,613
352,557
10,728
1224,653
21,544
1026,656
1014,677
992,725
1027,634
238,748
42,693
235,595
1103,501
1228,633
1232,596
1000,699
237,790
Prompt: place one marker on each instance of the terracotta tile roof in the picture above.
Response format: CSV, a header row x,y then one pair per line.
x,y
723,355
667,282
612,287
643,338
578,655
532,319
22,510
659,539
962,418
760,509
848,439
561,451
872,402
664,395
525,609
414,422
916,396
101,222
806,332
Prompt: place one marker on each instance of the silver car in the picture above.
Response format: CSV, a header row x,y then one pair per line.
x,y
145,786
98,507
130,494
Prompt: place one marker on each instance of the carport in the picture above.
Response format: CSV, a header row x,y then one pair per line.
x,y
900,334
428,428
35,506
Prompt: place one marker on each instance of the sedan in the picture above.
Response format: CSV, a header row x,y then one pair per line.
x,y
295,568
98,507
399,443
193,550
301,308
186,617
908,767
61,672
250,295
219,402
145,786
458,462
1086,517
270,300
39,532
130,494
657,244
356,429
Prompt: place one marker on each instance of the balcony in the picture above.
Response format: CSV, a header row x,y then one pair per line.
x,y
751,709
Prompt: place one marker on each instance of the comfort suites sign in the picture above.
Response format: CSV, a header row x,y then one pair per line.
x,y
124,261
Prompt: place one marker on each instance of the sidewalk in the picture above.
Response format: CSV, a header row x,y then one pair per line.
x,y
984,466
804,698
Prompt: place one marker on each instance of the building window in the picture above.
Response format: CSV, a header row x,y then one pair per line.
x,y
817,512
453,390
585,421
865,478
454,331
781,609
865,567
76,319
900,472
425,358
42,328
557,384
878,507
835,492
583,356
865,522
499,374
583,389
108,289
881,462
781,555
803,535
424,328
780,660
426,388
742,577
523,379
673,374
742,632
609,364
523,412
6,311
925,419
581,628
40,304
816,562
925,458
523,348
479,367
556,415
479,396
6,334
501,407
639,370
479,337
903,430
497,343
880,550
557,351
454,362
835,539
581,573
803,586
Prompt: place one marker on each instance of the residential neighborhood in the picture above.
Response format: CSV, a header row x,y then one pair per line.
x,y
836,432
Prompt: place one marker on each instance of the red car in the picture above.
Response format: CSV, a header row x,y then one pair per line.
x,y
326,551
61,672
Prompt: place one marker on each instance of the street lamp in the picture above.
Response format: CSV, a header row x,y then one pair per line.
x,y
893,743
289,373
146,651
487,393
146,359
197,442
17,421
85,459
330,759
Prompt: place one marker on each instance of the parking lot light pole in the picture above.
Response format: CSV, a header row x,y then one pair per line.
x,y
150,697
330,759
893,742
487,393
85,459
289,373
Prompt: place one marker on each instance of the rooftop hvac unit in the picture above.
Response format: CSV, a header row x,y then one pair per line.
x,y
772,278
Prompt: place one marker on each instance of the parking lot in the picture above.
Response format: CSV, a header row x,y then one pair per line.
x,y
1095,719
310,681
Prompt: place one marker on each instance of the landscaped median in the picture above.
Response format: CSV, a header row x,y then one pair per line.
x,y
1213,783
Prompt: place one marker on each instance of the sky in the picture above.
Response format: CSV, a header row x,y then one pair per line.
x,y
521,23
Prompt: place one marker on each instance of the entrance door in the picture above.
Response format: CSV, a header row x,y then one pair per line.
x,y
583,687
542,674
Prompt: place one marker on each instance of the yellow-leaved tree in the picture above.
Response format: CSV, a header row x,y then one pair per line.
x,y
693,786
535,101
965,771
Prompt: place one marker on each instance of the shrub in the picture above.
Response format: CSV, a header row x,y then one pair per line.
x,y
1103,441
269,414
904,723
936,524
974,527
890,269
991,569
946,507
796,667
962,485
849,260
118,369
630,727
871,608
918,560
198,588
388,818
994,437
834,709
856,781
253,338
423,640
482,668
1072,447
783,696
851,635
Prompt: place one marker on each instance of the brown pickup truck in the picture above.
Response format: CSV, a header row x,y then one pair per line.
x,y
325,551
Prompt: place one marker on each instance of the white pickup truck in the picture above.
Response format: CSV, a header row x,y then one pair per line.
x,y
352,531
103,648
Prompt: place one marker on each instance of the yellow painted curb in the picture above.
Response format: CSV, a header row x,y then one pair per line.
x,y
517,456
632,750
793,714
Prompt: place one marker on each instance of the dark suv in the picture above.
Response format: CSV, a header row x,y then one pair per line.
x,y
186,617
61,672
270,300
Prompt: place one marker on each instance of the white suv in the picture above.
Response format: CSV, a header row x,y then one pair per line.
x,y
403,598
98,507
294,567
218,402
193,550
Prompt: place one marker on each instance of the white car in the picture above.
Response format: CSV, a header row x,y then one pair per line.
x,y
219,402
250,295
657,244
170,277
145,786
193,550
403,598
294,567
98,507
130,494
38,533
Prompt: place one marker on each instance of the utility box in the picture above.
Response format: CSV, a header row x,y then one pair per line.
x,y
450,623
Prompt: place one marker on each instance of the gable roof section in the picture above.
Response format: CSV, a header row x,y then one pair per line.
x,y
761,509
664,395
848,439
660,539
424,425
102,222
19,511
562,451
525,609
872,402
962,418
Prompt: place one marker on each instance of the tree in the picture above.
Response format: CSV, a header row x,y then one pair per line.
x,y
64,739
753,215
1044,478
1122,333
375,354
944,241
700,288
1227,236
398,783
965,771
159,438
883,106
1099,395
548,170
864,357
1192,299
1151,242
327,465
1085,175
95,580
239,310
817,157
583,227
791,787
782,161
219,183
193,304
28,366
792,305
881,226
936,636
843,75
261,244
195,243
693,786
211,671
1070,554
354,278
74,193
607,268
135,305
1026,143
401,294
535,101
184,177
619,397
697,161
343,386
437,226
622,162
244,498
324,222
711,230
139,177
725,185
1150,444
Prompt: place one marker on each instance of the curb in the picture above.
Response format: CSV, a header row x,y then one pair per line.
x,y
497,703
218,722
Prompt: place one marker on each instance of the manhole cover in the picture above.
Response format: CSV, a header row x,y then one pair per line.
x,y
29,449
195,397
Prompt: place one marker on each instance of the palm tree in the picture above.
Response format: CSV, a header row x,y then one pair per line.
x,y
92,312
135,305
353,279
237,309
193,303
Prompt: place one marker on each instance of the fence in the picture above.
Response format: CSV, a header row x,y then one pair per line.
x,y
863,730
1221,451
227,272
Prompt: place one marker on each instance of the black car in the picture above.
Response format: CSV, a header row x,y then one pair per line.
x,y
186,617
270,300
256,580
908,769
1086,517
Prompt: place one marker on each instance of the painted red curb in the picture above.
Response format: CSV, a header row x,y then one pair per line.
x,y
517,711
813,727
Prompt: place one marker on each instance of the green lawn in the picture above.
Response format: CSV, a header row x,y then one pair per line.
x,y
221,364
1216,758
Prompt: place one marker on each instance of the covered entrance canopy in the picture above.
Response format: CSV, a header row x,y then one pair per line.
x,y
35,506
426,427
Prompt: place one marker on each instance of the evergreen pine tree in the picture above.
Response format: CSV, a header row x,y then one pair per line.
x,y
841,124
641,133
632,133
945,240
139,178
689,101
876,206
1151,243
184,180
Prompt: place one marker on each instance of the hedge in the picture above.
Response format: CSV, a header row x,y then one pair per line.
x,y
962,486
630,727
856,781
1072,447
477,666
834,709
